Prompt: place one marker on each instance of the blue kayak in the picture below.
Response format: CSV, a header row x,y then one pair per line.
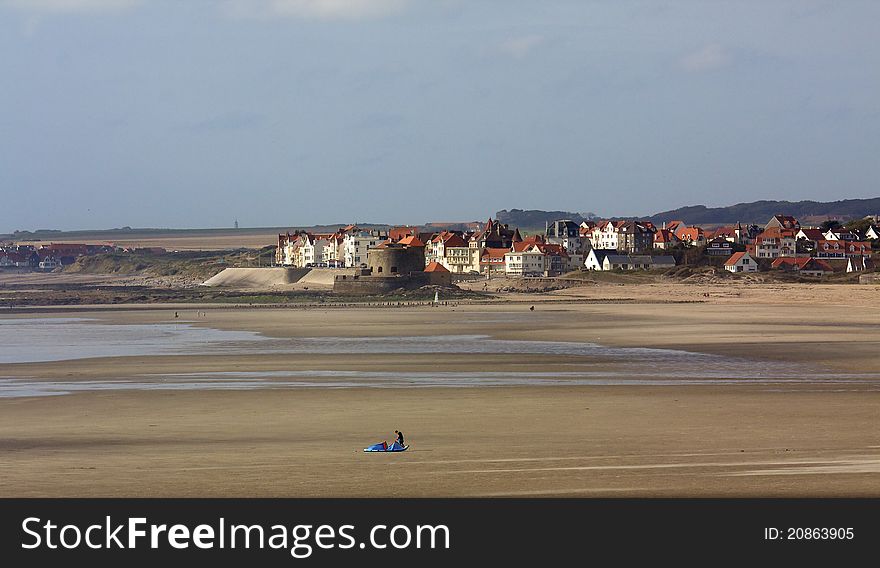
x,y
395,447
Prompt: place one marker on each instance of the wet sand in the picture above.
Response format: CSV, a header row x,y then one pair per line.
x,y
738,440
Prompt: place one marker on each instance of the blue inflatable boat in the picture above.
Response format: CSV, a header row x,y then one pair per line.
x,y
383,447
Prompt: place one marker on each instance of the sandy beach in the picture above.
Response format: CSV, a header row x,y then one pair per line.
x,y
812,437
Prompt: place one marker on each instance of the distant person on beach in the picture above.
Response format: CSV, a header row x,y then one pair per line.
x,y
399,437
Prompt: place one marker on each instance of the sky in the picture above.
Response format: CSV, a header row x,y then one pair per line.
x,y
197,113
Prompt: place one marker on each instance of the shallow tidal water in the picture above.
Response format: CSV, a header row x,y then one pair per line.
x,y
27,340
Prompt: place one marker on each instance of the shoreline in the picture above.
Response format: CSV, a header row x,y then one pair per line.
x,y
580,441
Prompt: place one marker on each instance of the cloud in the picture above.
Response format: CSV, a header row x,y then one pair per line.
x,y
68,6
521,46
314,9
707,58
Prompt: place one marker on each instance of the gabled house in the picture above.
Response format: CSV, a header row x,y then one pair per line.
x,y
595,259
812,235
741,262
526,262
357,243
806,266
452,251
617,262
840,234
783,222
775,242
495,235
604,236
841,249
719,246
859,264
636,262
567,233
634,236
674,226
492,260
691,236
665,239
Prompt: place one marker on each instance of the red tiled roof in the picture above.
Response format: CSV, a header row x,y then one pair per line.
x,y
550,248
721,232
399,233
813,234
689,234
450,239
664,236
790,262
786,221
777,233
412,241
495,253
435,267
734,258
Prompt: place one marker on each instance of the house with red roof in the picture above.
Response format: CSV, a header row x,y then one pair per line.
x,y
438,275
806,266
812,235
691,236
495,235
398,233
665,239
410,241
775,242
674,226
492,260
538,258
842,249
450,249
741,262
604,236
783,222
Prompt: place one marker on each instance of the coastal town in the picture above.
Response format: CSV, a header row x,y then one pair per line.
x,y
564,246
385,258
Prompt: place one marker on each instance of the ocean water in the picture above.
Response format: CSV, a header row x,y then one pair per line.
x,y
28,340
53,339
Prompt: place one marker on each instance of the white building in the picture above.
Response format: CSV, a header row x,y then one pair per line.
x,y
840,234
596,257
529,262
605,236
334,253
312,250
741,262
356,246
567,234
288,249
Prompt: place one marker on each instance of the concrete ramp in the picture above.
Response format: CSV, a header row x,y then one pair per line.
x,y
323,277
259,278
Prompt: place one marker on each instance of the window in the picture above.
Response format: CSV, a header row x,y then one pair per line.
x,y
393,269
380,269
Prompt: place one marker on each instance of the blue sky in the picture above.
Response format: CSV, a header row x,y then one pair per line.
x,y
166,113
